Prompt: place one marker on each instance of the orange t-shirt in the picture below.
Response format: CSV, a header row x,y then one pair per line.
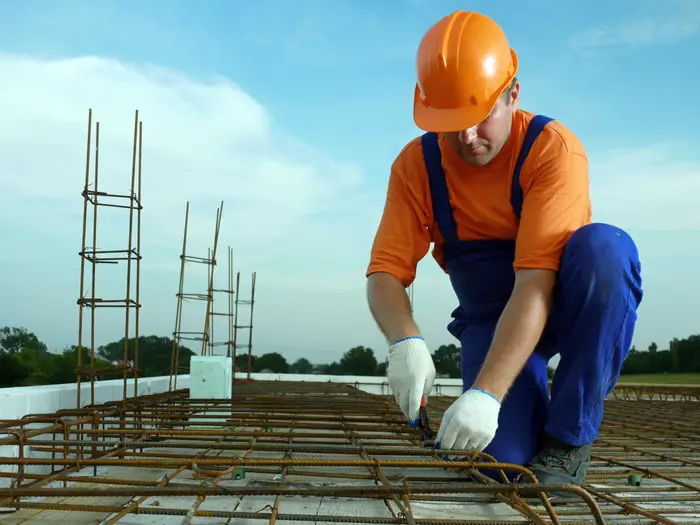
x,y
556,201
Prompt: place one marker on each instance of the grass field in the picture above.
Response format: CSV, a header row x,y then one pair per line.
x,y
669,379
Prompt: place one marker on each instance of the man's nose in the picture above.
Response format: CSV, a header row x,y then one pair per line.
x,y
468,135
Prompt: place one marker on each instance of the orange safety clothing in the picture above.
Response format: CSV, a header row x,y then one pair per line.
x,y
555,184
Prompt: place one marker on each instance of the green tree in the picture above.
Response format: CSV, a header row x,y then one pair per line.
x,y
302,366
447,360
66,365
40,364
271,361
331,369
686,353
683,356
155,354
633,363
242,361
661,362
12,370
25,360
13,339
359,361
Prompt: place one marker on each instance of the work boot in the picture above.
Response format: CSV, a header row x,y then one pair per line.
x,y
559,463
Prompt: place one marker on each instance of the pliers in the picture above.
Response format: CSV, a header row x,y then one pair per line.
x,y
424,425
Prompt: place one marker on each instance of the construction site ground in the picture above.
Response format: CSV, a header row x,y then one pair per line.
x,y
307,452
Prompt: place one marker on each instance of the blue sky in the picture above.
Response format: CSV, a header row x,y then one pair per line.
x,y
298,109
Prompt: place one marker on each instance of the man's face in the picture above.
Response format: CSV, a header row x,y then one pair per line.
x,y
479,145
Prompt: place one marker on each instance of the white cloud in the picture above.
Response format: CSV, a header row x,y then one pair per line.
x,y
639,32
203,141
646,188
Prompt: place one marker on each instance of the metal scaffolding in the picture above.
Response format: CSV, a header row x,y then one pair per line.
x,y
331,452
178,333
93,200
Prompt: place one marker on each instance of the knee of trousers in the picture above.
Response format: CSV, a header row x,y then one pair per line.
x,y
602,258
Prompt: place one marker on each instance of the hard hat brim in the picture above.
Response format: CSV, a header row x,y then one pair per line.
x,y
457,119
452,119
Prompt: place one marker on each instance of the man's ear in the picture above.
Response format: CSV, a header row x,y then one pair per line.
x,y
515,94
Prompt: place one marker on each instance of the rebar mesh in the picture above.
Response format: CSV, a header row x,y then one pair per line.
x,y
327,452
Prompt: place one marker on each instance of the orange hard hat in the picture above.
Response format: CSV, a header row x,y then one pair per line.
x,y
463,64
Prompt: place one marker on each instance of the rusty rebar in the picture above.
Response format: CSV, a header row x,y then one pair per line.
x,y
205,336
93,195
334,442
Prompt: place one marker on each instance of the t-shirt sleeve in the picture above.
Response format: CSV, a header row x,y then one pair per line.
x,y
555,205
402,238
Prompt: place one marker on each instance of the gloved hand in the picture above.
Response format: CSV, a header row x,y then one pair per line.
x,y
411,373
470,423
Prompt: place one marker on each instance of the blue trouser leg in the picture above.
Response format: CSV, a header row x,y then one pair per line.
x,y
591,325
524,410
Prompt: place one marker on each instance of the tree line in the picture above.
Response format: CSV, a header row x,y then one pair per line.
x,y
681,356
25,360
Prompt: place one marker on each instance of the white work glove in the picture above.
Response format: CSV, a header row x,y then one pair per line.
x,y
470,423
411,373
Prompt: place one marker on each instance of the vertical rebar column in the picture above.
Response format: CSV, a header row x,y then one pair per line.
x,y
249,326
138,266
231,347
250,331
210,290
93,267
129,254
82,259
210,297
235,326
177,332
96,256
213,343
229,290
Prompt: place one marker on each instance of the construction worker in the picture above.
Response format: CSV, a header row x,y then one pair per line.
x,y
504,196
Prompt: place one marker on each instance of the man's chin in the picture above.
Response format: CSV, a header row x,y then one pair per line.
x,y
476,157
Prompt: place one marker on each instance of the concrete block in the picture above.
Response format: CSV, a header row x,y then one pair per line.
x,y
210,377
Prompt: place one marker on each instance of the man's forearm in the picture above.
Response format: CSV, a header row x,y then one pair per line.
x,y
390,306
518,331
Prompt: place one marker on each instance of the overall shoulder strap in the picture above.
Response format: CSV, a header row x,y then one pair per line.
x,y
537,124
442,211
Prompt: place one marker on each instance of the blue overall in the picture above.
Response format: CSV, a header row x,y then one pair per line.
x,y
597,292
